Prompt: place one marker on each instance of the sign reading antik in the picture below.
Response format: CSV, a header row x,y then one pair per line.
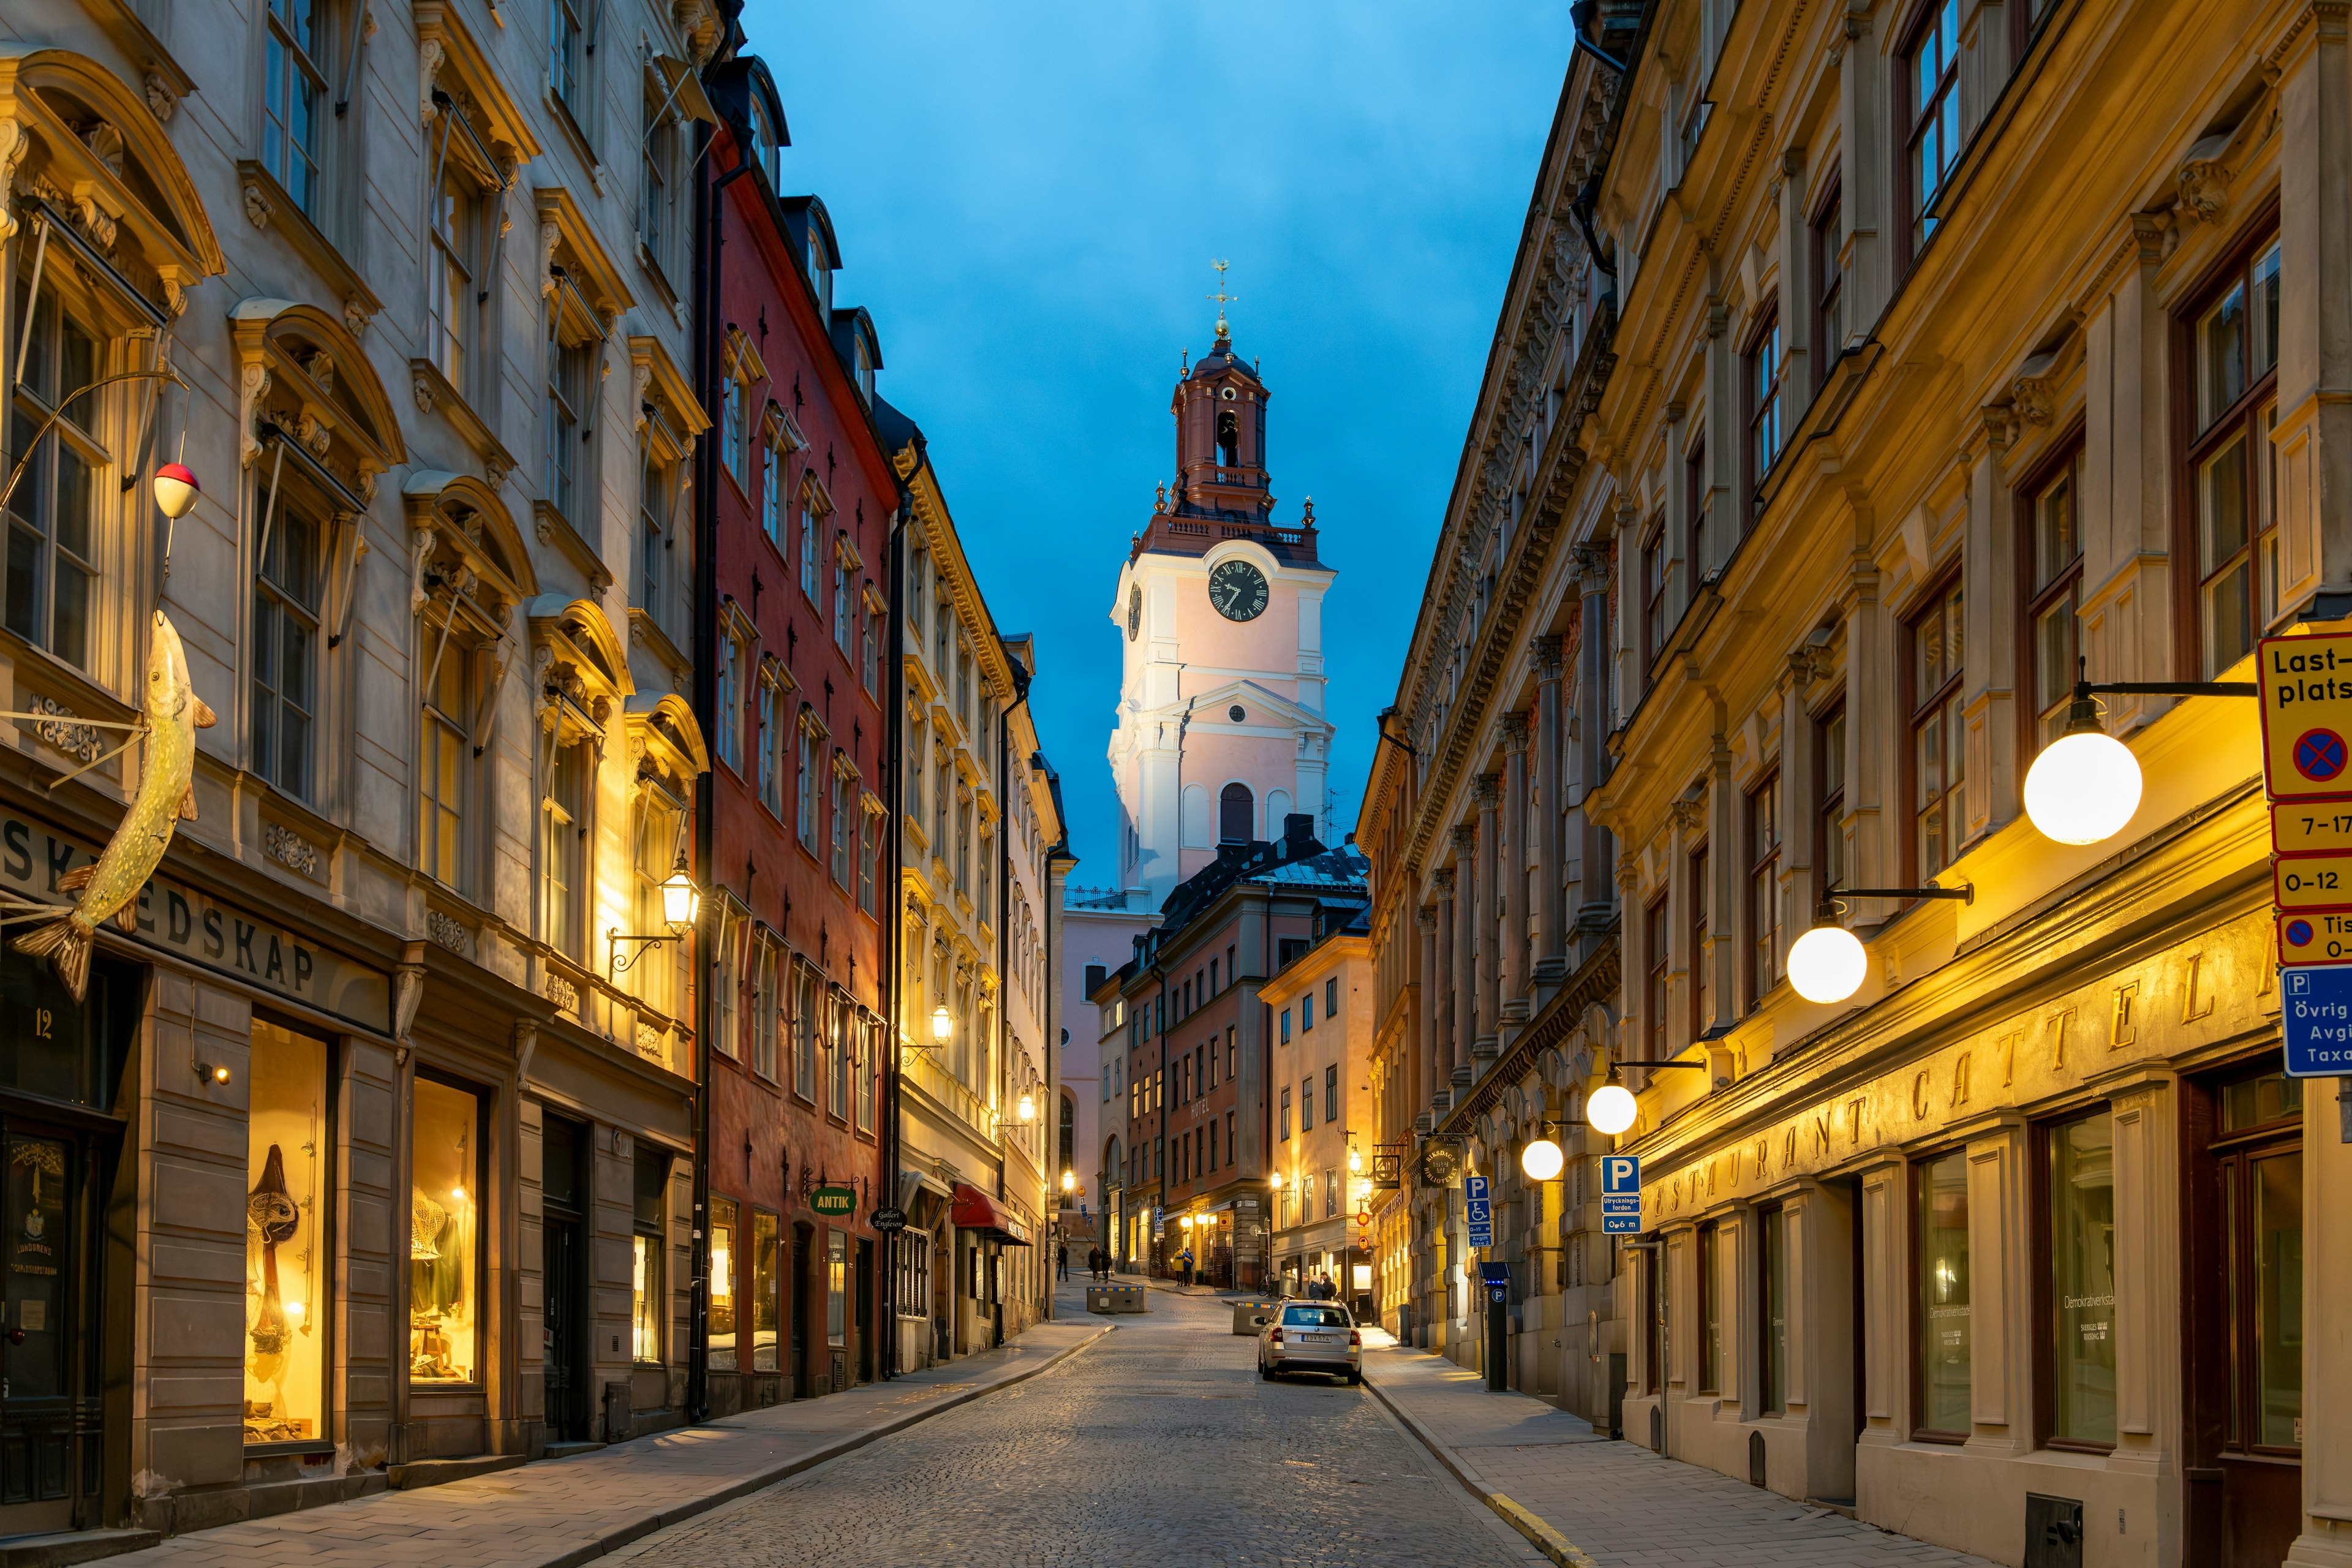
x,y
195,928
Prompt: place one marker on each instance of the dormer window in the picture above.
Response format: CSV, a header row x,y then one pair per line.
x,y
865,358
763,140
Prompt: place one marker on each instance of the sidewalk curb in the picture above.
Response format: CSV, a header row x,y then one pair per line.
x,y
637,1529
1541,1535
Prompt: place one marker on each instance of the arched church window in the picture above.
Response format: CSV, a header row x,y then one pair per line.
x,y
1228,439
1233,813
1196,818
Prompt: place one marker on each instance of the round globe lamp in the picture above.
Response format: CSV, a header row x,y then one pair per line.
x,y
1827,963
1610,1110
2083,787
1542,1160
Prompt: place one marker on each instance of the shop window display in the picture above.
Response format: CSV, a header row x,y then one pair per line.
x,y
1946,1344
284,1348
443,1236
837,1292
767,1280
648,1275
2083,1280
724,1218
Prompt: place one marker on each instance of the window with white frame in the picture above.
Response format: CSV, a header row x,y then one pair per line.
x,y
460,236
775,733
805,807
53,516
869,835
841,1055
563,845
771,494
445,759
658,177
572,28
842,618
812,527
728,719
294,83
844,796
570,426
658,502
805,1024
767,1012
727,980
660,814
286,593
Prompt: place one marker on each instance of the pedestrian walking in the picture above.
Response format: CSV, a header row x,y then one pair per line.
x,y
1062,1260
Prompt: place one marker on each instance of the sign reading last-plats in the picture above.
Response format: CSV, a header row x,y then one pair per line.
x,y
2306,684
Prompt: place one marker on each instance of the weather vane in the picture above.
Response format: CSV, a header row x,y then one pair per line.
x,y
1222,299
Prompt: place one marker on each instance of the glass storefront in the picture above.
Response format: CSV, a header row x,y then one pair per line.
x,y
836,1287
284,1251
1776,1308
2083,1280
723,1222
444,1235
767,1288
648,1275
1944,1340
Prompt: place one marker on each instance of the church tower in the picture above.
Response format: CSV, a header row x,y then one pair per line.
x,y
1220,728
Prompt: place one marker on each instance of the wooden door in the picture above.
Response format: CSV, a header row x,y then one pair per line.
x,y
2243,1288
51,1431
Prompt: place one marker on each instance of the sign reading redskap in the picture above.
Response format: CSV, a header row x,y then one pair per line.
x,y
2316,1013
192,927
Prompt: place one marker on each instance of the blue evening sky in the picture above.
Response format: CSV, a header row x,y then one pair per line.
x,y
1027,198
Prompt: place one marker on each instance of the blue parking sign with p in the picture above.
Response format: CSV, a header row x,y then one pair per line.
x,y
1620,1174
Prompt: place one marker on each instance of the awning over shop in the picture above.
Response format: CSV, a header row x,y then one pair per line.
x,y
975,1210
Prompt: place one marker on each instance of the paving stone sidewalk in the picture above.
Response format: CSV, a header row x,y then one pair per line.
x,y
1587,1503
562,1513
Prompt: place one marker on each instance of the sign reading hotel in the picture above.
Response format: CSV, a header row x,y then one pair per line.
x,y
192,927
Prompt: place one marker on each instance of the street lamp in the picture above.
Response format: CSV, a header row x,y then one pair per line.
x,y
1069,1181
1542,1159
2085,784
1828,963
681,903
943,1025
1355,1162
1027,1109
1610,1109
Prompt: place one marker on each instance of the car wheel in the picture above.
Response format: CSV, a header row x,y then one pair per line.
x,y
1355,1380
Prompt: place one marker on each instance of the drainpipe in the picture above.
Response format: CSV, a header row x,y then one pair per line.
x,y
893,927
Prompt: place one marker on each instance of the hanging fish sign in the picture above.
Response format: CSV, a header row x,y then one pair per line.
x,y
110,885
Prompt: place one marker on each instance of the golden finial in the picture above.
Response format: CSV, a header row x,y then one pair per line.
x,y
1222,299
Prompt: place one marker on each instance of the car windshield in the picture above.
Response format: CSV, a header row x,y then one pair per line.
x,y
1315,1317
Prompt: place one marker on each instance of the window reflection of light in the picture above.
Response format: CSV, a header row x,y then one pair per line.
x,y
459,1193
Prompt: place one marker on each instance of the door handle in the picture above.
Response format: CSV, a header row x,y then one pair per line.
x,y
16,1336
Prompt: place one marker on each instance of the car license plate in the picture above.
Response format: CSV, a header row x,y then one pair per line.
x,y
1320,1338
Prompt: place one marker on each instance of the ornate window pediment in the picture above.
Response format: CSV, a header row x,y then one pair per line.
x,y
582,669
77,138
451,63
666,744
301,370
586,288
667,411
462,541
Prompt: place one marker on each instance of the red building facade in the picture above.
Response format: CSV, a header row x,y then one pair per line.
x,y
796,527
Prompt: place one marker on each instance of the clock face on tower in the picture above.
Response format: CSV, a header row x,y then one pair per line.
x,y
1238,591
1134,613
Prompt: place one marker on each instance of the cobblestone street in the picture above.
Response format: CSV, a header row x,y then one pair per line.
x,y
1158,1444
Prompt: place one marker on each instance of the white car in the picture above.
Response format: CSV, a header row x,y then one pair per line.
x,y
1311,1336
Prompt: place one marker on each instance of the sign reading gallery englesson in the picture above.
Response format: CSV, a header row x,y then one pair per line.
x,y
196,929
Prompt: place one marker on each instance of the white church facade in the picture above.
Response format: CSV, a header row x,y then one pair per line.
x,y
1221,731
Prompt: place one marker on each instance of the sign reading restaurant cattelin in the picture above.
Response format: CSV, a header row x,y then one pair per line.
x,y
196,928
2305,687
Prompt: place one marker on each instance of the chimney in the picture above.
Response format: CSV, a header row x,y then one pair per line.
x,y
1298,831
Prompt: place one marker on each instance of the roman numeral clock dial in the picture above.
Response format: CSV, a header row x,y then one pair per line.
x,y
1237,589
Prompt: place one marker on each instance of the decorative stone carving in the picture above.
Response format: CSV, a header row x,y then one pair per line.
x,y
16,140
421,389
105,145
649,1041
355,315
256,207
161,100
252,384
449,932
495,472
563,994
430,54
2203,180
80,742
289,850
2030,392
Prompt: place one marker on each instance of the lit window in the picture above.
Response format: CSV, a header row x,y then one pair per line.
x,y
2054,593
2233,481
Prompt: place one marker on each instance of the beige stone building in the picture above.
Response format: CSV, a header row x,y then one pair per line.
x,y
1912,404
1322,1054
395,1137
980,869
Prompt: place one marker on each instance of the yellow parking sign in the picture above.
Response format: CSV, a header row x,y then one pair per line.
x,y
2314,938
2312,882
2307,699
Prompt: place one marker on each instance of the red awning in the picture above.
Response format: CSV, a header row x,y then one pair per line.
x,y
975,1210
